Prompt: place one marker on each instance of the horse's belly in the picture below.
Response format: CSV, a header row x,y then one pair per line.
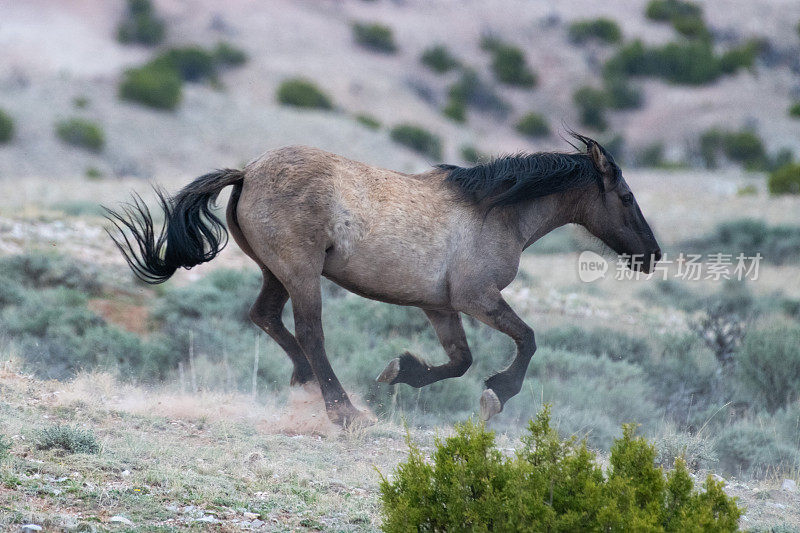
x,y
391,276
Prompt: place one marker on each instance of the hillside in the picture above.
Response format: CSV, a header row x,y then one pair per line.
x,y
80,58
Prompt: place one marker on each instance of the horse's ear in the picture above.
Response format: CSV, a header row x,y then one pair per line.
x,y
600,159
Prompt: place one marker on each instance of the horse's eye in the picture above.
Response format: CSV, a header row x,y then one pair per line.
x,y
627,199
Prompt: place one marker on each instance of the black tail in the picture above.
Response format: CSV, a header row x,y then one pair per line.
x,y
190,234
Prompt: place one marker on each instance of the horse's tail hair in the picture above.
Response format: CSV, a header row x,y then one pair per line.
x,y
190,234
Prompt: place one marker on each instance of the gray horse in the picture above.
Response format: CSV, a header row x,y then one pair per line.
x,y
447,241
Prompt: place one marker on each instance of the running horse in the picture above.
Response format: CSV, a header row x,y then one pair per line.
x,y
447,241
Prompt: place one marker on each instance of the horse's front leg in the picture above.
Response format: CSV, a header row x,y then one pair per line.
x,y
490,308
410,369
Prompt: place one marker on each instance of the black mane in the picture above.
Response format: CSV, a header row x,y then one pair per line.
x,y
512,179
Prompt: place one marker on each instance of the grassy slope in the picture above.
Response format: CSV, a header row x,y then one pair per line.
x,y
173,461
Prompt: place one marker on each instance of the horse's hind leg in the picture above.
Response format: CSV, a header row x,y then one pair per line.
x,y
306,295
266,314
493,310
412,370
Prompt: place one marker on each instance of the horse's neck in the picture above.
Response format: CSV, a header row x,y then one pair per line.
x,y
540,216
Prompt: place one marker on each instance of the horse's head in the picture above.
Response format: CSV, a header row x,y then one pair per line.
x,y
613,215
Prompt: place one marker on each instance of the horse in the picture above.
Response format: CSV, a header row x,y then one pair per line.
x,y
447,240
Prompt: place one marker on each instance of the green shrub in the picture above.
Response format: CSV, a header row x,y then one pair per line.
x,y
418,139
509,66
141,25
794,110
740,57
651,156
471,154
81,133
6,127
368,121
778,244
192,63
439,59
40,271
229,55
533,125
602,29
785,180
70,439
375,37
692,27
743,146
690,63
620,94
599,341
548,485
300,92
698,452
768,365
592,104
749,450
80,102
155,86
93,173
471,91
668,10
455,110
5,448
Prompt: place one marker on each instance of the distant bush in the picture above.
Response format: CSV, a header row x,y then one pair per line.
x,y
778,244
742,146
141,25
93,173
785,180
692,27
746,449
192,63
40,271
471,154
471,91
690,63
602,29
651,156
666,10
548,485
439,59
300,92
768,364
592,104
740,57
533,125
229,55
375,37
794,110
599,341
418,139
697,451
6,127
508,63
620,94
455,110
155,86
5,448
70,439
368,121
80,102
81,133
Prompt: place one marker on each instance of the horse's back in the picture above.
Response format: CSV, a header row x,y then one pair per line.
x,y
383,233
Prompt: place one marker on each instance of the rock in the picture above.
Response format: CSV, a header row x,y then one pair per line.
x,y
789,485
119,519
250,516
126,473
30,527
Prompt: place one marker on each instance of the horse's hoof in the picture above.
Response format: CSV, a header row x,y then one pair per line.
x,y
391,371
352,418
490,404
